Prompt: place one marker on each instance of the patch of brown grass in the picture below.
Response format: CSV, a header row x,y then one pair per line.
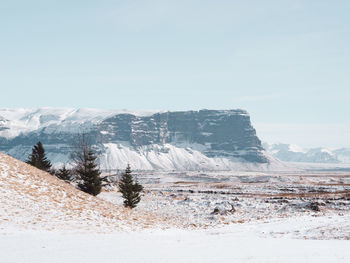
x,y
51,198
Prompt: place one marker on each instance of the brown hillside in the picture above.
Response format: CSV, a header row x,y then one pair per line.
x,y
33,199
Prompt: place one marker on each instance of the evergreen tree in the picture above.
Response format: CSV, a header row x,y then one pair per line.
x,y
89,173
63,174
38,158
130,190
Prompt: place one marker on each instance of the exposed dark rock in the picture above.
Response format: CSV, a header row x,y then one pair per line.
x,y
218,211
221,133
314,206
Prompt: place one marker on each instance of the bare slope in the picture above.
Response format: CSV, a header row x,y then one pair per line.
x,y
33,199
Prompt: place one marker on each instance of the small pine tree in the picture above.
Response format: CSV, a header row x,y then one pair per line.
x,y
89,174
130,190
38,158
63,174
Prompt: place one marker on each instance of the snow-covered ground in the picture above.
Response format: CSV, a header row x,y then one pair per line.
x,y
183,217
215,199
234,243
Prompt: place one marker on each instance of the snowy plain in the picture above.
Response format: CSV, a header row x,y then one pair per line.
x,y
230,244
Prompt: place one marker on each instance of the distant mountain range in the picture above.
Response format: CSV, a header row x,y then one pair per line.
x,y
293,153
182,140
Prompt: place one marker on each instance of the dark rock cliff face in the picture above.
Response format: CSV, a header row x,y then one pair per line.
x,y
223,133
217,133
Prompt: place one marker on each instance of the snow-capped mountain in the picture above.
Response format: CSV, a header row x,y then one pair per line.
x,y
294,153
183,140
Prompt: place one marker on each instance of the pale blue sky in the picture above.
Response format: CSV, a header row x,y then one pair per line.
x,y
286,61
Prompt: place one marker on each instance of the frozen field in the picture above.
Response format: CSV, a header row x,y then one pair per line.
x,y
235,243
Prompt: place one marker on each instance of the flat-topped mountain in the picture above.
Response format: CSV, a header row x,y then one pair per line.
x,y
185,140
